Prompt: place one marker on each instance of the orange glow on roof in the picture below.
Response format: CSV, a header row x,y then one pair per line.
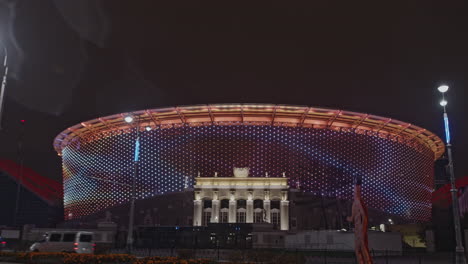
x,y
252,114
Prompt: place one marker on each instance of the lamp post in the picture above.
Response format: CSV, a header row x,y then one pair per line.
x,y
21,170
4,81
459,250
129,119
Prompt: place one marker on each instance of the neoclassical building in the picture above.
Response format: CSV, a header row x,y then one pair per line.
x,y
241,199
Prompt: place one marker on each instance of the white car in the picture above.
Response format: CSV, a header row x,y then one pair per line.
x,y
66,241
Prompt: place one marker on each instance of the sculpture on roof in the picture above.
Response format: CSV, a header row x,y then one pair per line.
x,y
241,172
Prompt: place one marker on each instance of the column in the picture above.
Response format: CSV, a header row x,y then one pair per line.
x,y
232,211
284,214
250,209
197,212
215,211
266,212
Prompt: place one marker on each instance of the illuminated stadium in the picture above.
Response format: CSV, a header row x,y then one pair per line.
x,y
319,150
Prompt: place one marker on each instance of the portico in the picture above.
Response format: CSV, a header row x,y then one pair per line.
x,y
241,199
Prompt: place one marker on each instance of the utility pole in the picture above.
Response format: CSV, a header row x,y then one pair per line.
x,y
20,174
459,249
135,174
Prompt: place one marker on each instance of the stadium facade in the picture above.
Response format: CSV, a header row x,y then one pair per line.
x,y
315,151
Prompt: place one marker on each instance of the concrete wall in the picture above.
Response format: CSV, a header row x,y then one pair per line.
x,y
273,239
342,241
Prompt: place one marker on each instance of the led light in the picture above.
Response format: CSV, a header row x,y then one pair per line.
x,y
443,88
321,161
447,128
443,102
148,128
128,119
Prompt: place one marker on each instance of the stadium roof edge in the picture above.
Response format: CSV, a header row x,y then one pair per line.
x,y
253,114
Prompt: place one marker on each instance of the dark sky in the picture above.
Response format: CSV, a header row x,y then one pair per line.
x,y
73,61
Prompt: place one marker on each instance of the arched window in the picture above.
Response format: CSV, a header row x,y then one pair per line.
x,y
258,215
206,216
258,204
224,203
207,203
241,215
223,215
275,204
275,216
241,204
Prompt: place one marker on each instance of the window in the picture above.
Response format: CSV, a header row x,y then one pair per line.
x,y
258,204
207,204
223,215
240,216
258,216
224,203
275,204
55,237
69,237
275,216
206,218
241,203
86,238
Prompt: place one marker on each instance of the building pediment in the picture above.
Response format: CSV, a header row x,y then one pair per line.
x,y
240,183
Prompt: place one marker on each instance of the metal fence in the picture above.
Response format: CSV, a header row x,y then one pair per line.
x,y
297,256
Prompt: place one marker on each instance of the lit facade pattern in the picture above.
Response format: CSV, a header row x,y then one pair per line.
x,y
319,154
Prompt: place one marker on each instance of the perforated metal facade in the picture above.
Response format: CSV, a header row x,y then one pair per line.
x,y
397,171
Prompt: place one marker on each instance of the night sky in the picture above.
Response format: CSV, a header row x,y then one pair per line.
x,y
72,61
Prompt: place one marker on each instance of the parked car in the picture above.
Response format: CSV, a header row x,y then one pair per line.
x,y
65,241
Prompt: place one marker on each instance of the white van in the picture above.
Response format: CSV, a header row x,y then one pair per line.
x,y
65,241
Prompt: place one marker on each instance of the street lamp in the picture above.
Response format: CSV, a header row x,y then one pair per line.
x,y
443,88
460,251
4,81
20,180
129,119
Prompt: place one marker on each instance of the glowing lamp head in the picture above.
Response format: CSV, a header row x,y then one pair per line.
x,y
147,128
128,119
443,102
443,88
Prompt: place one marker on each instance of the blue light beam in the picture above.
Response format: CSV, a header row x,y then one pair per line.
x,y
447,129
